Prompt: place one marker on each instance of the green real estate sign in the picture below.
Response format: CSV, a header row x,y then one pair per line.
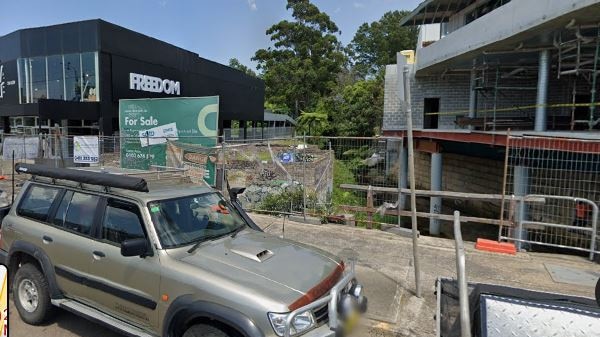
x,y
173,132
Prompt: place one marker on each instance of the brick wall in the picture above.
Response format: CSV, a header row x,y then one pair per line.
x,y
392,113
453,90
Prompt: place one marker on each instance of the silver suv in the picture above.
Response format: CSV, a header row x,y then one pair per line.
x,y
172,260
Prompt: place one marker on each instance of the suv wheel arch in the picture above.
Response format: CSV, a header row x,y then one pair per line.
x,y
185,312
21,251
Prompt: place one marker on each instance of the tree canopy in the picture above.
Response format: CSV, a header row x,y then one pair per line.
x,y
331,89
305,59
375,45
236,64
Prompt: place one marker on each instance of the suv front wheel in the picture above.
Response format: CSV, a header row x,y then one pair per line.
x,y
31,295
204,330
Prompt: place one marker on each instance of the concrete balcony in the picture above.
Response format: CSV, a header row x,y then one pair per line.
x,y
524,23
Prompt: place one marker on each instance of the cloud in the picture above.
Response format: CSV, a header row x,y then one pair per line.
x,y
358,5
163,3
337,10
252,4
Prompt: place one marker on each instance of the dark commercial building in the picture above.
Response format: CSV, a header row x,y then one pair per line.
x,y
74,75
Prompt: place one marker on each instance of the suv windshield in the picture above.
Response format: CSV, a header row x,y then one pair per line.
x,y
195,218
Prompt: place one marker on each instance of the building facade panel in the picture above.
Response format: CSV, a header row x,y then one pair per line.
x,y
95,64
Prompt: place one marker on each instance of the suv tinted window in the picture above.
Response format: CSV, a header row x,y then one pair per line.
x,y
121,222
80,212
37,202
61,212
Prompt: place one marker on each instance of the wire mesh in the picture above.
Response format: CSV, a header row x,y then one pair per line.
x,y
564,167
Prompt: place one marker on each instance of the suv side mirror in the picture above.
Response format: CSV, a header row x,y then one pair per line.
x,y
233,192
134,247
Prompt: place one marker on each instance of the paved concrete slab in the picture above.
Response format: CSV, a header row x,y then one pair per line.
x,y
384,259
571,275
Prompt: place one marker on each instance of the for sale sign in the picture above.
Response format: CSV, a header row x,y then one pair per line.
x,y
86,150
168,131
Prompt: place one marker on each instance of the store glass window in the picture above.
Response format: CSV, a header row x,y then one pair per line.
x,y
72,66
23,83
89,78
56,88
69,77
37,69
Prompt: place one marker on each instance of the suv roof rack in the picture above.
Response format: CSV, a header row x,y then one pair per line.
x,y
85,177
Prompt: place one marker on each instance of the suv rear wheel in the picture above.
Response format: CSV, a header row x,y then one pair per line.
x,y
31,295
204,330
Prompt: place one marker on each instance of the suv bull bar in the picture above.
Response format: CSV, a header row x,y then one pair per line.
x,y
332,298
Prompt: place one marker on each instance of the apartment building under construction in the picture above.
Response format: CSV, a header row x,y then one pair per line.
x,y
504,99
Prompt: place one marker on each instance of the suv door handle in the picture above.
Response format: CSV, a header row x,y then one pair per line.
x,y
98,255
46,239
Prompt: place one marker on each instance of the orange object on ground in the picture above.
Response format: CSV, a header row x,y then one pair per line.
x,y
496,247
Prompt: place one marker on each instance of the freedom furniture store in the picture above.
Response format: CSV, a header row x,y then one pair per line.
x,y
73,75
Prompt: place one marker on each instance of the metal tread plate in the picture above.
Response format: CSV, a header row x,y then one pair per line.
x,y
504,316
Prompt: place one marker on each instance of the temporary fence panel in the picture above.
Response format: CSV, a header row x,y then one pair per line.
x,y
565,173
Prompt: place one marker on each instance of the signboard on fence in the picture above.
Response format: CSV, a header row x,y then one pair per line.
x,y
86,150
23,147
170,132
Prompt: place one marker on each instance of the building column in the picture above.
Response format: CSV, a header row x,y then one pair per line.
x,y
473,94
521,188
542,91
244,126
435,203
402,176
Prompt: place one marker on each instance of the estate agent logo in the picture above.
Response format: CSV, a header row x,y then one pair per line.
x,y
153,84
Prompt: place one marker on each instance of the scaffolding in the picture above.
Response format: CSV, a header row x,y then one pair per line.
x,y
578,55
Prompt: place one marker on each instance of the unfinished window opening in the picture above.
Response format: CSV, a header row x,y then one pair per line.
x,y
431,107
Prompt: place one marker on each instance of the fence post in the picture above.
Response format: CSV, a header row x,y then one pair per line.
x,y
332,161
223,181
400,178
304,176
461,279
506,152
148,149
411,172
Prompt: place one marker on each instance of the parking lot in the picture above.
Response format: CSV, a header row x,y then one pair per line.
x,y
385,267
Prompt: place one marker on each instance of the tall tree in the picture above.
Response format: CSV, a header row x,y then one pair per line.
x,y
375,45
305,58
236,64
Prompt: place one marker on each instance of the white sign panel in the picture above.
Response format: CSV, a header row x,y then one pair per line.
x,y
23,147
159,134
86,150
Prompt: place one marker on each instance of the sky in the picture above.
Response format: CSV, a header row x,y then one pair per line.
x,y
214,29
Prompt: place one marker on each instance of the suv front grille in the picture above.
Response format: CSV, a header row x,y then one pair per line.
x,y
322,314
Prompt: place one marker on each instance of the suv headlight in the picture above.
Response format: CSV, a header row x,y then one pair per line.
x,y
301,323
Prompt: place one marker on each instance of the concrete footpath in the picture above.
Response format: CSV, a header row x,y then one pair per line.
x,y
385,267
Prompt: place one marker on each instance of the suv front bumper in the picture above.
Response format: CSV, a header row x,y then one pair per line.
x,y
332,300
322,331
